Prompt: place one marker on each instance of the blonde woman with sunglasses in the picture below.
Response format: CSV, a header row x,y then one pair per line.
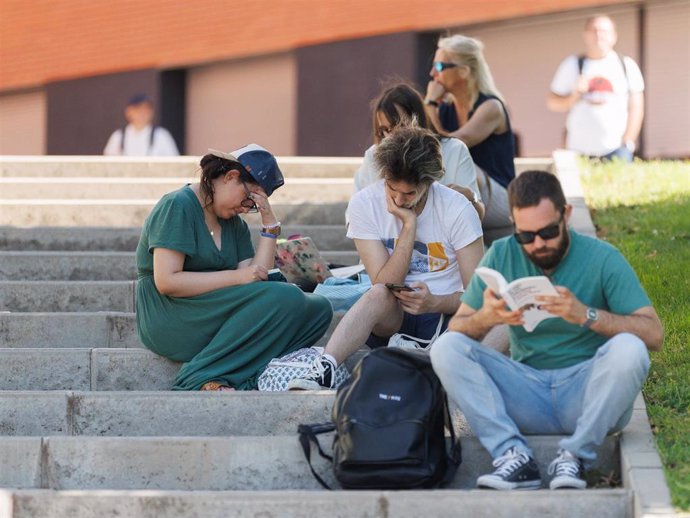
x,y
463,101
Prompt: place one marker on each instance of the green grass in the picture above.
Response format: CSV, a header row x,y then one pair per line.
x,y
644,210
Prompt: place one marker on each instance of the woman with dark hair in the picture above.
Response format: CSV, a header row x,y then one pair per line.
x,y
463,101
200,295
400,103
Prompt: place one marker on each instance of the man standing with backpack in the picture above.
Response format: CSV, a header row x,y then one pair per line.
x,y
603,93
576,374
140,137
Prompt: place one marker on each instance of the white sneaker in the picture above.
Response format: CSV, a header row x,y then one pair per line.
x,y
321,376
568,470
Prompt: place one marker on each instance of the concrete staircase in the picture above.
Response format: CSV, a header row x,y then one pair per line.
x,y
88,425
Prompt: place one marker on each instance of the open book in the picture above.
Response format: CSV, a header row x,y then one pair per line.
x,y
520,294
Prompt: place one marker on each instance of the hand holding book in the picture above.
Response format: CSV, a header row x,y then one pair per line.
x,y
521,295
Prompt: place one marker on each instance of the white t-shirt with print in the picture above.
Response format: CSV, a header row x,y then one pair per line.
x,y
447,223
597,122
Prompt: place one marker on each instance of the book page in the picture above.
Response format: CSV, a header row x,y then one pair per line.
x,y
522,293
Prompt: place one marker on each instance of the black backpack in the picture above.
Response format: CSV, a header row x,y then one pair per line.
x,y
389,419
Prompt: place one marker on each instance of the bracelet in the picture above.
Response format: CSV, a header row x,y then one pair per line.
x,y
431,102
275,225
272,236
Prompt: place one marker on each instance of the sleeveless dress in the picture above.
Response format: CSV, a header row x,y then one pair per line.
x,y
230,334
494,154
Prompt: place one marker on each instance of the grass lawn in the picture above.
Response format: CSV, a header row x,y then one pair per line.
x,y
644,210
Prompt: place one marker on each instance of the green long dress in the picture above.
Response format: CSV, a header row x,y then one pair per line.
x,y
229,334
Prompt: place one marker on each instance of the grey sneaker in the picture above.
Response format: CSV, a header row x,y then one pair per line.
x,y
320,376
568,470
514,470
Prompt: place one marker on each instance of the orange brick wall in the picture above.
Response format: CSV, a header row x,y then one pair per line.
x,y
48,40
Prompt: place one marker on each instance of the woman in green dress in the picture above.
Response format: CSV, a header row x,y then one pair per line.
x,y
201,295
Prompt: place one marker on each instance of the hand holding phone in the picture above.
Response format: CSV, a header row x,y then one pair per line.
x,y
399,287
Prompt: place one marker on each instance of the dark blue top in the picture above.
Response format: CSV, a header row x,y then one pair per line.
x,y
495,153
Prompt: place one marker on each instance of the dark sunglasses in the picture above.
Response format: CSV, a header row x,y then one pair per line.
x,y
526,237
248,203
440,66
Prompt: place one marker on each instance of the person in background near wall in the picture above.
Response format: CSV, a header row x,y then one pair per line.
x,y
462,100
577,374
201,291
603,93
140,137
400,103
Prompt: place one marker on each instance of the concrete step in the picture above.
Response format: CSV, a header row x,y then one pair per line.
x,y
77,330
57,296
161,414
94,239
68,330
96,266
187,166
609,503
93,368
132,213
183,166
67,266
208,463
295,190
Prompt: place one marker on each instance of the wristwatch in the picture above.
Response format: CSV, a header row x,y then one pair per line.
x,y
431,102
475,198
592,316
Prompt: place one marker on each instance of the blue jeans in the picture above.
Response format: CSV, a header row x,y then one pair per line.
x,y
622,153
503,399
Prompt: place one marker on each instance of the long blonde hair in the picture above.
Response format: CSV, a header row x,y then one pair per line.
x,y
467,51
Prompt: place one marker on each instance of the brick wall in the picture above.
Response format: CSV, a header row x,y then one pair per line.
x,y
46,40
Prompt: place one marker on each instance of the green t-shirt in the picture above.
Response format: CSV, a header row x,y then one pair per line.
x,y
596,273
177,223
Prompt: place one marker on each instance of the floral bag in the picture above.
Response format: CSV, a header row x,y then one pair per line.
x,y
280,371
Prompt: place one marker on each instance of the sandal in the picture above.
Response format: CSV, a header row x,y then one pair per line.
x,y
216,386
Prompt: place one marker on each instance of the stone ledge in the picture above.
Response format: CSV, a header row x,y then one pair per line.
x,y
299,504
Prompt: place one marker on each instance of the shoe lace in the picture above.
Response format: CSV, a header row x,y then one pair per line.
x,y
565,465
319,370
509,462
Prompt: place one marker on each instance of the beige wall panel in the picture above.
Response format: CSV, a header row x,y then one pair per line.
x,y
23,124
667,63
235,103
523,56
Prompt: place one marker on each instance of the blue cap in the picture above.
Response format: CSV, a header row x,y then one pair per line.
x,y
139,99
259,163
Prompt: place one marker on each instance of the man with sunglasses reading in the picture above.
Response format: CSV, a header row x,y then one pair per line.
x,y
576,375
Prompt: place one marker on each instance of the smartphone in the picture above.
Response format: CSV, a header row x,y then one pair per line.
x,y
399,287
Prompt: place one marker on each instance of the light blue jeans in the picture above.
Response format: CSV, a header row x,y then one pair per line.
x,y
503,399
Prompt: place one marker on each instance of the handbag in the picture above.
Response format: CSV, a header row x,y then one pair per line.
x,y
403,341
280,371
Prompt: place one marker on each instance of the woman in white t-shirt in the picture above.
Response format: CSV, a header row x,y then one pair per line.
x,y
401,102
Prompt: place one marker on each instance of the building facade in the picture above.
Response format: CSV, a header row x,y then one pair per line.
x,y
300,81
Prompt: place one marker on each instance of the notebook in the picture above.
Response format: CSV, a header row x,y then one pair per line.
x,y
299,259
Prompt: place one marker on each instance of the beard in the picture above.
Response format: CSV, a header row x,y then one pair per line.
x,y
548,258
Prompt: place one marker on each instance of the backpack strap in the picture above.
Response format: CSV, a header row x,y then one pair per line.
x,y
153,133
307,435
455,453
122,140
